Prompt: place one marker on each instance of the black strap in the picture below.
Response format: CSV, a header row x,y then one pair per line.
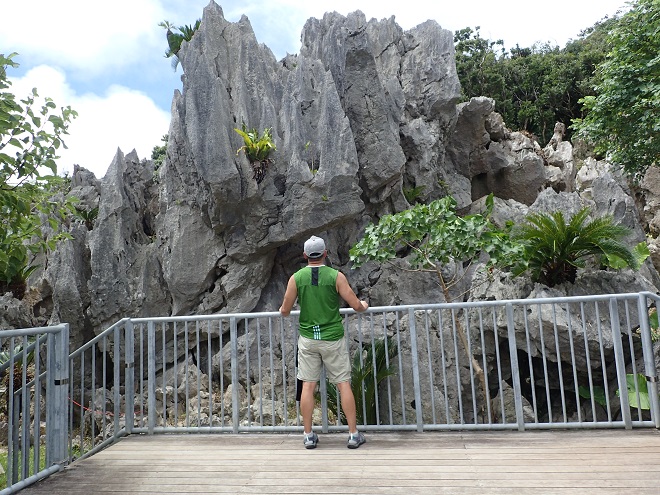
x,y
315,275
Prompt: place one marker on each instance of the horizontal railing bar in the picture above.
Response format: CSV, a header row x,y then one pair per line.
x,y
106,443
383,309
19,355
587,426
32,479
29,332
96,339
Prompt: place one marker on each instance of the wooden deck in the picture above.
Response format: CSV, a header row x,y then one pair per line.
x,y
586,462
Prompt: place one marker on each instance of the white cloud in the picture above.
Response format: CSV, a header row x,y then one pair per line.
x,y
88,37
120,118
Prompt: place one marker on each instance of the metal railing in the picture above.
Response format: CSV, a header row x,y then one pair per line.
x,y
35,382
572,362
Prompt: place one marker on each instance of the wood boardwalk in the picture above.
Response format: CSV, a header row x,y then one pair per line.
x,y
585,462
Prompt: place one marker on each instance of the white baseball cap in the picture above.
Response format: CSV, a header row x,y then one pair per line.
x,y
314,247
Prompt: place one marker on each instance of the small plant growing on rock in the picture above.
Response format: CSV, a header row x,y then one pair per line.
x,y
312,162
413,193
257,148
87,216
176,36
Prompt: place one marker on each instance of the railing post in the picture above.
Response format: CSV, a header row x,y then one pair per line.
x,y
151,373
116,358
515,370
57,419
650,370
235,405
15,448
323,390
415,369
620,364
129,376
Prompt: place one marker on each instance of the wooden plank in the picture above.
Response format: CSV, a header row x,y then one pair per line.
x,y
583,462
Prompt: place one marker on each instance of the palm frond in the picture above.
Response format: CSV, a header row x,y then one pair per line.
x,y
554,249
369,369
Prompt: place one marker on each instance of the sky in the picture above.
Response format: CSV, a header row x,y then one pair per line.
x,y
106,59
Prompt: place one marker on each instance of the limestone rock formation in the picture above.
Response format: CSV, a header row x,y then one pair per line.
x,y
363,114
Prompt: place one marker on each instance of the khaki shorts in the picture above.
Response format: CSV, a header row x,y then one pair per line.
x,y
313,354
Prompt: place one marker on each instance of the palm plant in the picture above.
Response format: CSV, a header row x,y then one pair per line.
x,y
369,368
176,36
554,249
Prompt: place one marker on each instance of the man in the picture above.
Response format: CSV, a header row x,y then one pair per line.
x,y
321,341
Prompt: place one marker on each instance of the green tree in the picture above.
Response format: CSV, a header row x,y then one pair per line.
x,y
554,249
436,236
477,64
32,203
533,87
623,118
158,152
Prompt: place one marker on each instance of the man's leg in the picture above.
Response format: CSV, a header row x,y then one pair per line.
x,y
348,405
307,404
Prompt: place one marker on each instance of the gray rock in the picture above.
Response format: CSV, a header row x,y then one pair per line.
x,y
366,122
14,313
510,166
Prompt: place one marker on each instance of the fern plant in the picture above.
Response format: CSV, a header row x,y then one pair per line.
x,y
413,193
87,216
257,148
554,249
365,379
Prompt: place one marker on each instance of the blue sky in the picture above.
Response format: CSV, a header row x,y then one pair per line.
x,y
105,59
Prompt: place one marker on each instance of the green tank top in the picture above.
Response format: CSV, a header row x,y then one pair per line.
x,y
319,303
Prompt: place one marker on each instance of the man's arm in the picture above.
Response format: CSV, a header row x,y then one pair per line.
x,y
289,297
348,295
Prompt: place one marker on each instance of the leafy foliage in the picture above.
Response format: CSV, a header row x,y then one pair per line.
x,y
257,148
635,383
598,394
17,353
412,194
554,249
654,324
640,252
87,216
623,118
477,64
158,152
32,203
369,368
176,36
534,87
437,235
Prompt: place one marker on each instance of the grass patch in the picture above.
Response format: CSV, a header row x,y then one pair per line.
x,y
4,459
